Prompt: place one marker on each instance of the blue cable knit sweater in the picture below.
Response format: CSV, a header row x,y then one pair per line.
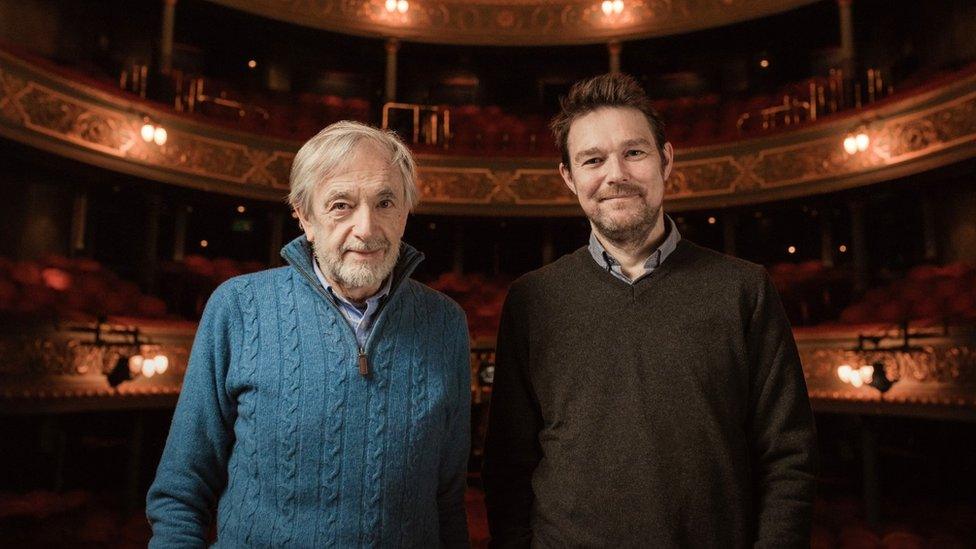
x,y
276,428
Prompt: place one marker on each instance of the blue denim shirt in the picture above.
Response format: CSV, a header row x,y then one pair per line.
x,y
607,261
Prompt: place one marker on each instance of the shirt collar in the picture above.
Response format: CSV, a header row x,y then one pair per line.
x,y
370,301
671,239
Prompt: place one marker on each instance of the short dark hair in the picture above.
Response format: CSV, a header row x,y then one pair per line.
x,y
606,90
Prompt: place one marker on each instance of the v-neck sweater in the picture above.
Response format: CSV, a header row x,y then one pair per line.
x,y
672,412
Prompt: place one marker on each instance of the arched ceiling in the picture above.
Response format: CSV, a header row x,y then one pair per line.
x,y
513,22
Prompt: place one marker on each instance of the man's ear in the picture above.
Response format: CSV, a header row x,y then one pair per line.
x,y
305,224
567,177
667,160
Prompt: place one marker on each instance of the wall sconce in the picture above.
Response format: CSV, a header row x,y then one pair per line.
x,y
128,368
612,7
873,375
400,6
856,142
131,359
152,132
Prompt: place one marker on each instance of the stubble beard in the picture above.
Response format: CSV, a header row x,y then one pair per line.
x,y
358,274
628,229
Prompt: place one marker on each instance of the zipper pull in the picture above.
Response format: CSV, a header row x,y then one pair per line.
x,y
363,364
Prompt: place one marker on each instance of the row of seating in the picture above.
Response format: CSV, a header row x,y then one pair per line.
x,y
71,289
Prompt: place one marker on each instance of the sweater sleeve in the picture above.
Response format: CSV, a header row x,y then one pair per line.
x,y
512,450
457,447
192,472
781,429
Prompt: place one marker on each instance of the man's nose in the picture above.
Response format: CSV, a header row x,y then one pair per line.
x,y
364,222
616,169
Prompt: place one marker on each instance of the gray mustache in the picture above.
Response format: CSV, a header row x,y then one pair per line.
x,y
367,246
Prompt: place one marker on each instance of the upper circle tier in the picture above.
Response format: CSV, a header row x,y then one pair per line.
x,y
513,22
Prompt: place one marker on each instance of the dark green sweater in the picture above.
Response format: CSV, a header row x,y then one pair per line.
x,y
668,413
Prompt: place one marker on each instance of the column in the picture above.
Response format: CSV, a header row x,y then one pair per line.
x,y
154,206
166,38
548,244
613,48
827,237
930,228
859,246
392,47
179,233
730,221
277,222
457,265
79,220
846,36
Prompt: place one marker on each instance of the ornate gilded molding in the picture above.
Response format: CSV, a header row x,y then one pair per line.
x,y
513,22
61,368
937,379
909,135
44,368
51,112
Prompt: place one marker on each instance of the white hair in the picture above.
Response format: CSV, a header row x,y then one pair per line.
x,y
322,155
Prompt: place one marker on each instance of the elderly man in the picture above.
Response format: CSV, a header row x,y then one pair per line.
x,y
326,403
648,392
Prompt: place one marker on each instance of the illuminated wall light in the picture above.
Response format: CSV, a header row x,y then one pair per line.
x,y
855,377
147,132
162,363
842,248
855,143
764,63
712,220
791,249
850,144
241,209
204,243
251,63
149,367
160,136
135,364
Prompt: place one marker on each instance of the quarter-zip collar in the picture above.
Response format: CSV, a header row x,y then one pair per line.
x,y
298,254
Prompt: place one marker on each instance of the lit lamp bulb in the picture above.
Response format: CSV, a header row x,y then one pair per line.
x,y
149,367
391,5
402,6
135,364
161,364
866,372
160,136
148,131
862,141
844,372
618,6
850,144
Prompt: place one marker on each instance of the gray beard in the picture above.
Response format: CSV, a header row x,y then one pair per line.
x,y
350,274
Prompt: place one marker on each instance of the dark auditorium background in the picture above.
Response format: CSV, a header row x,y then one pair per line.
x,y
145,147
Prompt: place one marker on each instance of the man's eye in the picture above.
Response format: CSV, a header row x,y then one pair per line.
x,y
339,206
591,161
386,203
636,153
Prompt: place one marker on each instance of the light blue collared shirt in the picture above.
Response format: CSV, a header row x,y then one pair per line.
x,y
360,319
607,261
